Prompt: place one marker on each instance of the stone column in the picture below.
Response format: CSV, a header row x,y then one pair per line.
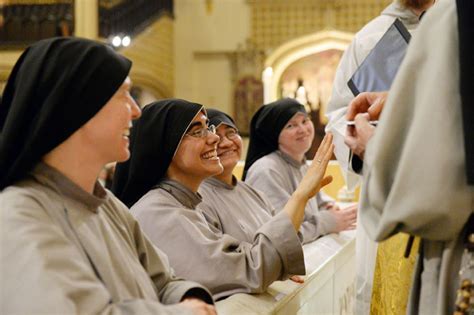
x,y
86,19
267,78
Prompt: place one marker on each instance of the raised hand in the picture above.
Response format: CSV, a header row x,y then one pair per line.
x,y
314,179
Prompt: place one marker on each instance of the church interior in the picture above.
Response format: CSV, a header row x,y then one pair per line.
x,y
235,56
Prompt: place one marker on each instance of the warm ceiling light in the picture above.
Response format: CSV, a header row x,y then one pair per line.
x,y
126,41
116,41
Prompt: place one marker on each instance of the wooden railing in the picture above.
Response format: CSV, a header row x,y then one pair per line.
x,y
22,23
25,21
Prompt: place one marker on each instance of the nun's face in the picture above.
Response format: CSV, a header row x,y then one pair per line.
x,y
196,157
297,135
107,132
229,148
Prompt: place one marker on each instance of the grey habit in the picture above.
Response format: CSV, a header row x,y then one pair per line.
x,y
277,175
238,210
415,178
65,251
199,251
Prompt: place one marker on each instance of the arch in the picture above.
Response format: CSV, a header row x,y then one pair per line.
x,y
151,83
289,52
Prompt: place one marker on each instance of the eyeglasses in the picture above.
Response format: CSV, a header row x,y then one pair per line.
x,y
231,134
202,132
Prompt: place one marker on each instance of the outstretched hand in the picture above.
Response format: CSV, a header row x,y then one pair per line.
x,y
311,183
297,279
198,307
314,178
345,218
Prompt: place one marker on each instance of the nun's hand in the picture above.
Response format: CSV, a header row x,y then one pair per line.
x,y
198,307
311,183
345,218
297,279
314,179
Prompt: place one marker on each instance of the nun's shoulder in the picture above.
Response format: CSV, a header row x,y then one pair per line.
x,y
206,187
25,191
155,200
267,162
24,198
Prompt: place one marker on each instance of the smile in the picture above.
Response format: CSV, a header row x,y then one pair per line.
x,y
226,153
302,138
210,155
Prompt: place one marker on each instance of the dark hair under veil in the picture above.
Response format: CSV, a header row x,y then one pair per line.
x,y
265,128
154,139
55,87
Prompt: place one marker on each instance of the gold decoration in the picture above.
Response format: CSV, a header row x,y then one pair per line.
x,y
109,3
209,6
275,22
35,2
393,275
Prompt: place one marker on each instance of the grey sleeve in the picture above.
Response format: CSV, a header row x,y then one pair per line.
x,y
171,289
272,184
60,280
315,223
323,200
222,263
210,214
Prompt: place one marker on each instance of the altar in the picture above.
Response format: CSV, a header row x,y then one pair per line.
x,y
328,287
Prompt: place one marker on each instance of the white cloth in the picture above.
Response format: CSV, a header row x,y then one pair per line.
x,y
414,171
354,55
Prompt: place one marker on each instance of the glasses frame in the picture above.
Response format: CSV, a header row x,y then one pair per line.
x,y
235,133
202,132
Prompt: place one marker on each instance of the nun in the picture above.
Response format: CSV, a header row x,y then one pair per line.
x,y
229,204
280,135
173,150
68,245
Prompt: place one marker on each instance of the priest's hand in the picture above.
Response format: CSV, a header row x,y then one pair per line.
x,y
364,108
358,136
345,218
198,307
367,102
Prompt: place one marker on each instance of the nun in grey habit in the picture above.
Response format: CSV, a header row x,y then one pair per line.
x,y
68,245
173,151
231,205
277,174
